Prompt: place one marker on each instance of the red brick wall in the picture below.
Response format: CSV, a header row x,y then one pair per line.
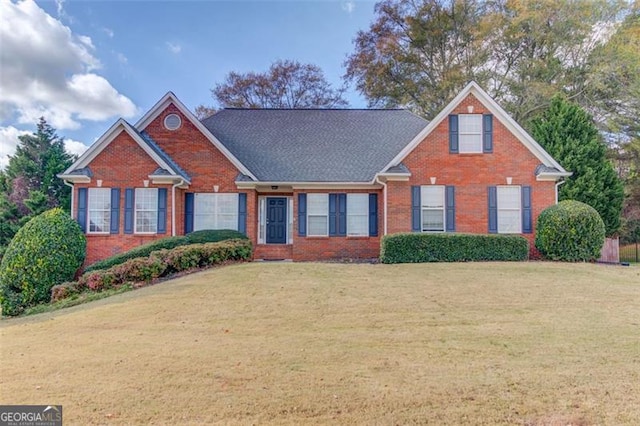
x,y
470,173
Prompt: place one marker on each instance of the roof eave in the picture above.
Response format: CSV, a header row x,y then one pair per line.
x,y
74,178
552,176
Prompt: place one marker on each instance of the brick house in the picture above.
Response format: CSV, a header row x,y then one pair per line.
x,y
311,184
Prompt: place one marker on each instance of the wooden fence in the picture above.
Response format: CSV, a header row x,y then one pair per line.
x,y
610,251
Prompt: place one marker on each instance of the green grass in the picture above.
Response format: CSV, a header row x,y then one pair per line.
x,y
262,343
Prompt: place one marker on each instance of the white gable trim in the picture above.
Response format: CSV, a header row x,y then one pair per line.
x,y
108,137
496,110
170,98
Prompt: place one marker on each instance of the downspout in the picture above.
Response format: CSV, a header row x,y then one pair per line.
x,y
72,191
173,207
558,185
384,197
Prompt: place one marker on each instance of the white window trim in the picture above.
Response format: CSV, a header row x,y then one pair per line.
x,y
519,209
364,215
89,210
290,220
326,215
135,212
444,209
461,133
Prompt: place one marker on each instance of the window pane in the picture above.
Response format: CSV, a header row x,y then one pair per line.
x,y
509,221
215,211
470,123
99,207
432,196
470,143
146,210
317,225
509,197
432,220
358,214
317,204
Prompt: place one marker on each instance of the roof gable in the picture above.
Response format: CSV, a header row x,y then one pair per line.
x,y
170,98
474,89
148,146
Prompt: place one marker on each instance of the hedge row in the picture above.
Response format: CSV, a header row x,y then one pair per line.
x,y
159,264
198,237
416,248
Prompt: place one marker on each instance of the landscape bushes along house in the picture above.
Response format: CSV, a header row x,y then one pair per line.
x,y
416,248
142,270
311,184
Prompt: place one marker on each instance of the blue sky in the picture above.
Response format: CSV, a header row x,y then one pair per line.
x,y
83,64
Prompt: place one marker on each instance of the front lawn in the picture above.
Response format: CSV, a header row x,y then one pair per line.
x,y
293,343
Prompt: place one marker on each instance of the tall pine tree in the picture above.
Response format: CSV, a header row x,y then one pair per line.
x,y
569,134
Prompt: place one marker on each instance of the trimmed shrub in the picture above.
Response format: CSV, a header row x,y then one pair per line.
x,y
417,248
161,263
46,251
206,236
570,231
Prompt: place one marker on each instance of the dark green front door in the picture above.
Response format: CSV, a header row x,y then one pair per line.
x,y
276,220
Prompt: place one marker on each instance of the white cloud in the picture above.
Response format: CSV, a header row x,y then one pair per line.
x,y
49,71
108,31
174,48
74,147
122,59
8,143
349,6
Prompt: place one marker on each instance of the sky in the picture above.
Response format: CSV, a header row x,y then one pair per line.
x,y
84,64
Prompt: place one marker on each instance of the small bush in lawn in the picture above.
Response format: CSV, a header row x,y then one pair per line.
x,y
570,231
47,251
205,236
418,247
139,270
65,290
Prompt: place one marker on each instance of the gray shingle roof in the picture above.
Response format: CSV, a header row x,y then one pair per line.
x,y
165,157
314,145
546,169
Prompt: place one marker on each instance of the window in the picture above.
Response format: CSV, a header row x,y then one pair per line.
x,y
146,210
172,122
215,211
470,133
433,212
99,210
318,214
509,213
358,215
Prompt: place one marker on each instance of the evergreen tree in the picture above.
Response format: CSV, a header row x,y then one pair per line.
x,y
569,134
29,184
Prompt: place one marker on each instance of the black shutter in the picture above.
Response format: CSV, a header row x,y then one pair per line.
x,y
189,204
450,206
302,215
242,213
82,209
527,222
373,215
128,210
416,226
453,134
162,211
493,209
114,227
487,133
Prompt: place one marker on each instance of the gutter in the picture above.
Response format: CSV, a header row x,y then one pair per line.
x,y
384,196
173,206
557,186
72,191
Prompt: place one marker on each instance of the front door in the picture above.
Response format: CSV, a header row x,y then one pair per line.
x,y
276,220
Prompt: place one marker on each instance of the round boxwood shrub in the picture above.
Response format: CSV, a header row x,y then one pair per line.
x,y
570,231
46,251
